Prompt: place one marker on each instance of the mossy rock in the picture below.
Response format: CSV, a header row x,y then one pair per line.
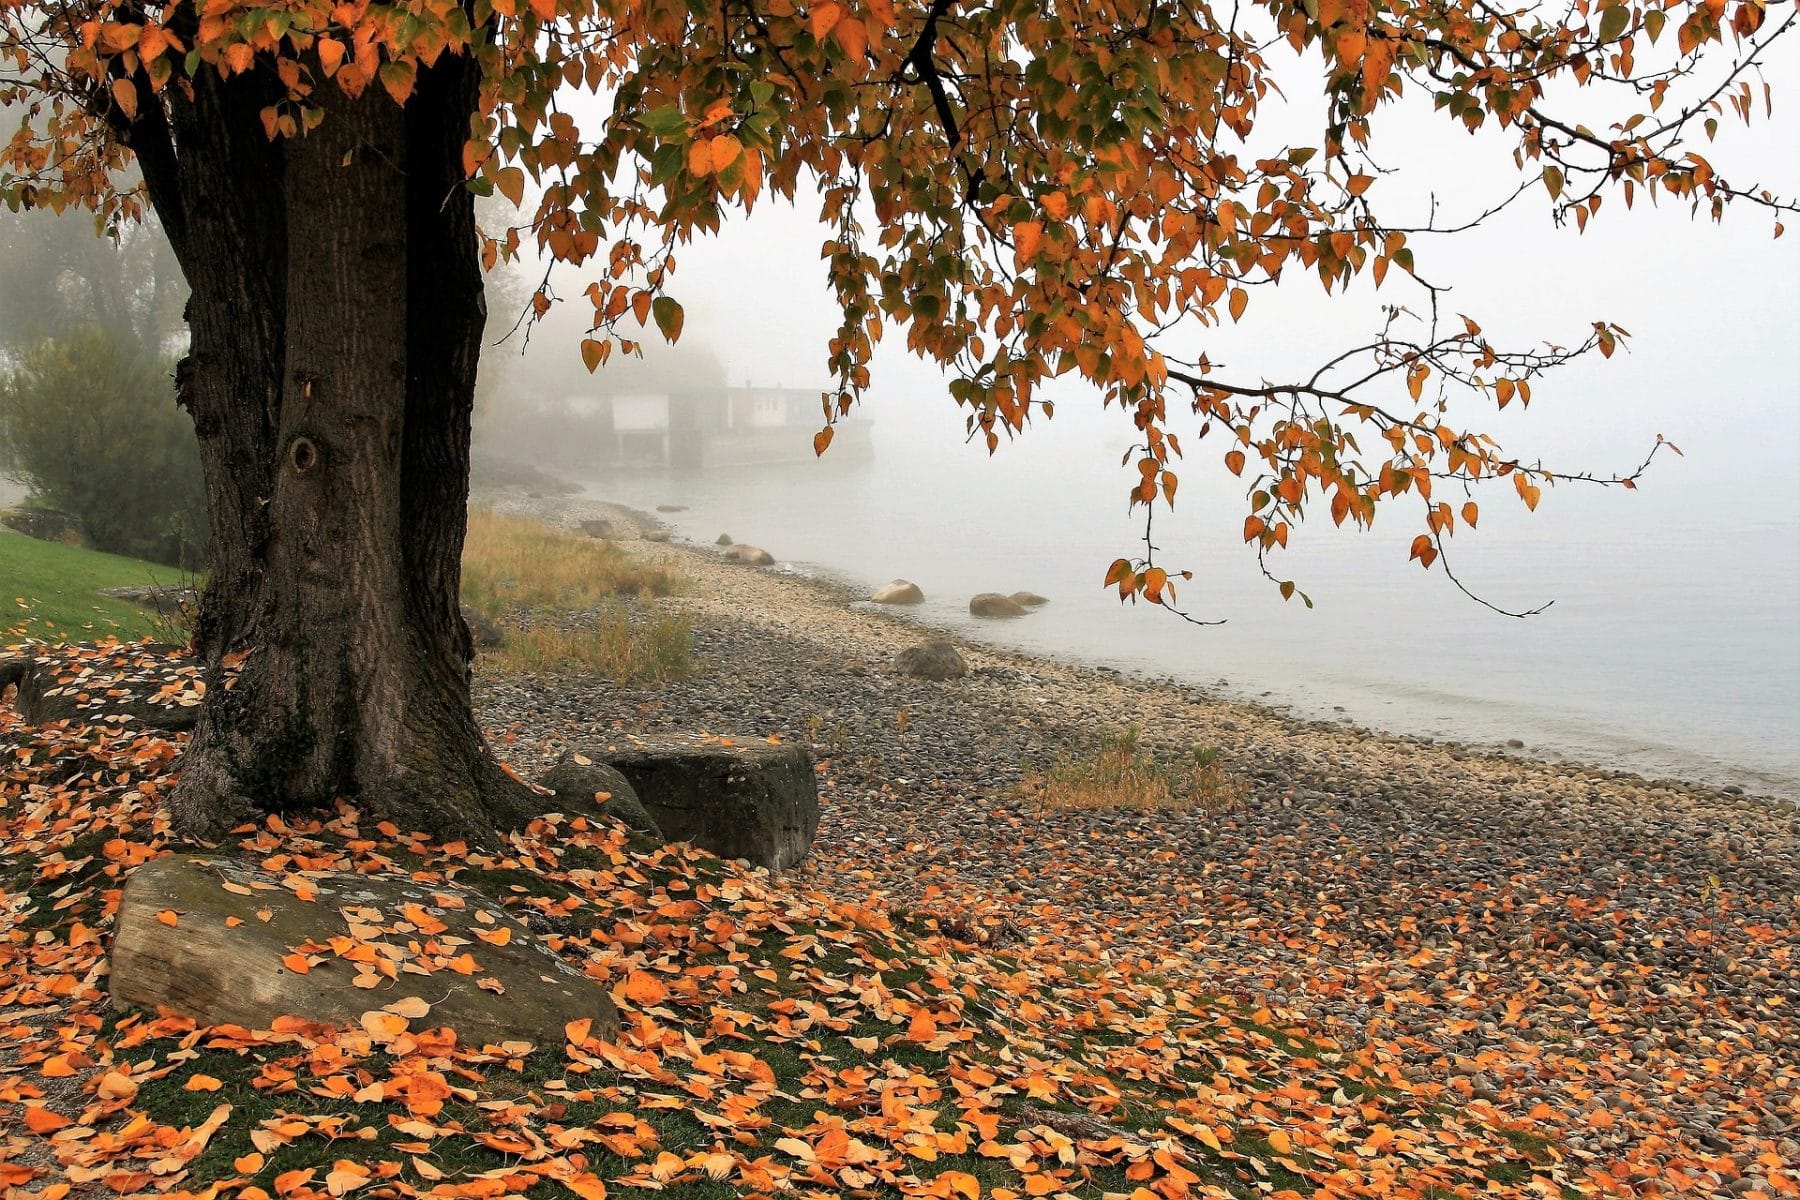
x,y
218,939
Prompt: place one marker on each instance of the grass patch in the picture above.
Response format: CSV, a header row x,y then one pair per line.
x,y
513,564
53,591
1121,773
648,648
564,603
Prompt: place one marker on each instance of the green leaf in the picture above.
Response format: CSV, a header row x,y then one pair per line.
x,y
1613,22
1553,181
665,122
668,316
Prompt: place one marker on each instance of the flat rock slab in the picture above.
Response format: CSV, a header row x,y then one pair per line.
x,y
220,940
158,687
751,800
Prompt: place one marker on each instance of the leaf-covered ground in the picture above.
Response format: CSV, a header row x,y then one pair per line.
x,y
781,1036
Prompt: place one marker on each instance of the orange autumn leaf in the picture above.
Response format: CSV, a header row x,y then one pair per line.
x,y
643,989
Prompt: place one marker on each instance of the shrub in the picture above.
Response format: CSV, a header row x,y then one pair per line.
x,y
1120,773
94,432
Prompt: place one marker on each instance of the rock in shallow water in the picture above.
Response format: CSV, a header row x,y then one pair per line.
x,y
173,949
900,591
993,604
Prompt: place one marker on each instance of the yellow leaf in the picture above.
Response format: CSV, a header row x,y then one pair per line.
x,y
510,182
124,94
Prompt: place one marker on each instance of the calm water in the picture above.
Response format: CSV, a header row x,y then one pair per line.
x,y
1671,649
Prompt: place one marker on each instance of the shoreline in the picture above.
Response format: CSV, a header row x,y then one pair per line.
x,y
567,510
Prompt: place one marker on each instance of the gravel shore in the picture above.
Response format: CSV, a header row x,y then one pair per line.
x,y
1576,946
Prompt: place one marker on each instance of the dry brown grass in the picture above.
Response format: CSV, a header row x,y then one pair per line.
x,y
514,563
612,643
1121,774
563,603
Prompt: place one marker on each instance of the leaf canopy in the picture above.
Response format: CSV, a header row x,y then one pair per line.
x,y
1021,189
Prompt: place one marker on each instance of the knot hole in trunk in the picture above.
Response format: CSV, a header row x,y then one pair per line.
x,y
303,454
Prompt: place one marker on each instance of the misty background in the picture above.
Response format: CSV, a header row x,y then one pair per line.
x,y
1673,645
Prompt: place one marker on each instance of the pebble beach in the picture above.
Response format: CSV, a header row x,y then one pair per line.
x,y
1583,948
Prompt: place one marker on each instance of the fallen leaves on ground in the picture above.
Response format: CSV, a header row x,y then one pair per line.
x,y
778,1038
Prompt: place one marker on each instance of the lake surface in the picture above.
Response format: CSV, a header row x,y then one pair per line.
x,y
1672,648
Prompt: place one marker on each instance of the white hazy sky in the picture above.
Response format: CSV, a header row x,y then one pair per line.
x,y
1714,310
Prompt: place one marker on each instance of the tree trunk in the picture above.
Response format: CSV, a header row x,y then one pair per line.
x,y
336,317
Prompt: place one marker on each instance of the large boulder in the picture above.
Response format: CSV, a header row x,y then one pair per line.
x,y
752,800
593,788
45,524
598,527
1029,599
755,556
224,942
900,591
160,596
993,604
154,686
937,660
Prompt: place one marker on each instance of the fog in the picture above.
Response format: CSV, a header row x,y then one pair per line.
x,y
1673,645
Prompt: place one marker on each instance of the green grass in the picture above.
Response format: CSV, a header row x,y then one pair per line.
x,y
51,591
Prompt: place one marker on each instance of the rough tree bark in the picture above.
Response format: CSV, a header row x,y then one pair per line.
x,y
336,316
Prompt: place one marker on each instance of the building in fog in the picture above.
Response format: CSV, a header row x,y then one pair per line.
x,y
734,426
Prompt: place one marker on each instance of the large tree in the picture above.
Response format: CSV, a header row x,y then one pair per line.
x,y
1026,188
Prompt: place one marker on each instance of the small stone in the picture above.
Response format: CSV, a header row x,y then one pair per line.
x,y
724,539
671,508
935,660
